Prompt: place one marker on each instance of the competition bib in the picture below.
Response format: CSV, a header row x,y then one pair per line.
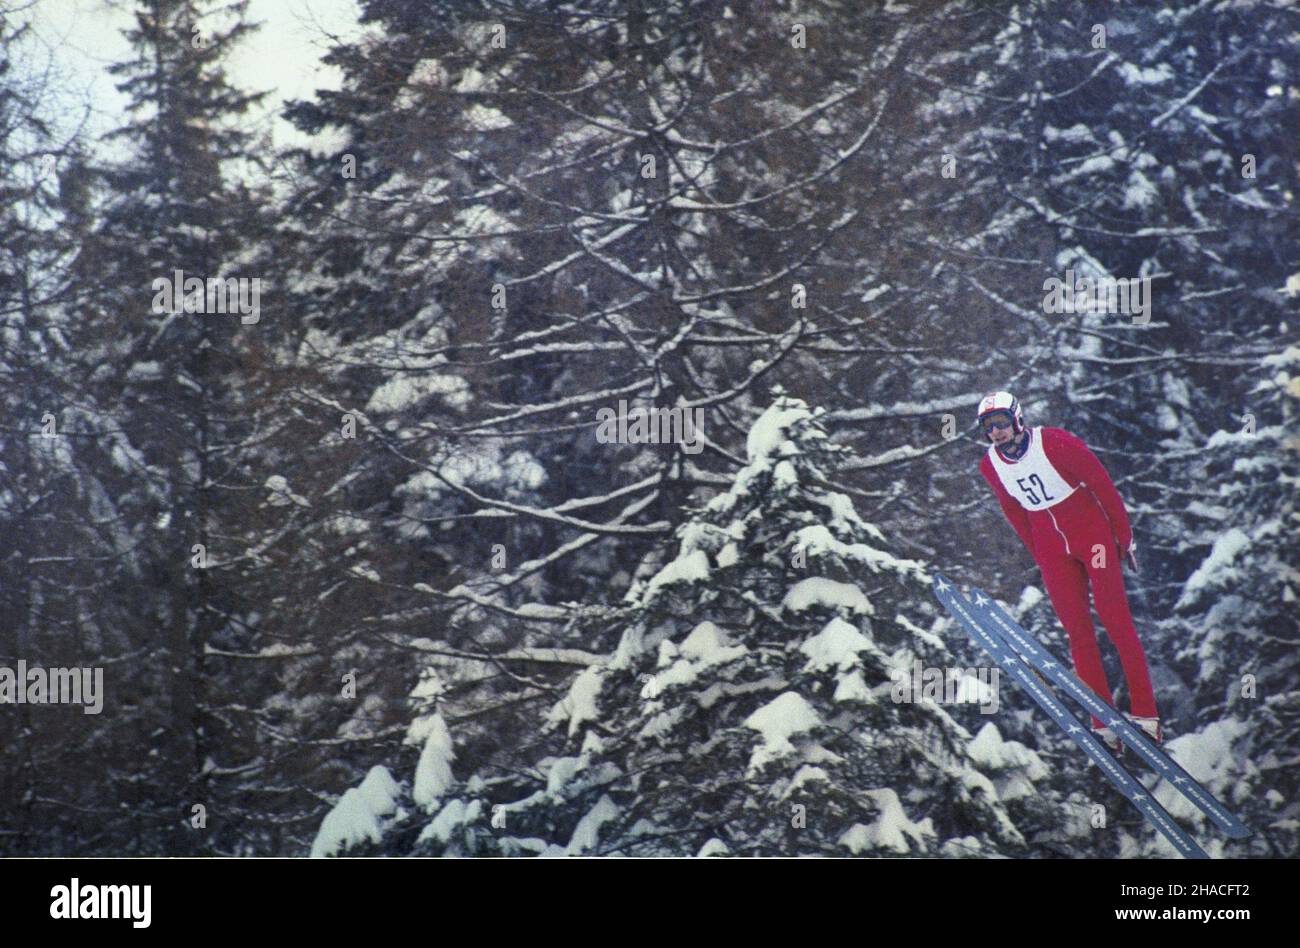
x,y
1032,480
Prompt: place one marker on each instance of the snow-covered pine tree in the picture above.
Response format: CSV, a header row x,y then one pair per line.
x,y
165,424
58,521
749,707
1236,612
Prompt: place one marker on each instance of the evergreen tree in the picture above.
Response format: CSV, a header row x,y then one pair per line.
x,y
751,705
1239,608
58,520
166,400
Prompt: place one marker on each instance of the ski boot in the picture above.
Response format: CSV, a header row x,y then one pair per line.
x,y
1113,743
1148,726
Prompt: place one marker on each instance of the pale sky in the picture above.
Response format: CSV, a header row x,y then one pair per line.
x,y
77,39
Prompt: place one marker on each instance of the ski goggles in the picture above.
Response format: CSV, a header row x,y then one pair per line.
x,y
996,419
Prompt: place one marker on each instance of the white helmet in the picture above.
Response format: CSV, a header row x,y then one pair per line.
x,y
1001,401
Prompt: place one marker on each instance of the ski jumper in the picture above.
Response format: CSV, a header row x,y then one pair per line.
x,y
1061,502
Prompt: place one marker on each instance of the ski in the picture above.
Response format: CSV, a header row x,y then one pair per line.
x,y
962,610
1032,651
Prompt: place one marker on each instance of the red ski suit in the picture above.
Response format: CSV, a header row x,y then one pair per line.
x,y
1069,515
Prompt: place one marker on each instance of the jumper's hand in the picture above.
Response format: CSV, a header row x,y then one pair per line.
x,y
1132,556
